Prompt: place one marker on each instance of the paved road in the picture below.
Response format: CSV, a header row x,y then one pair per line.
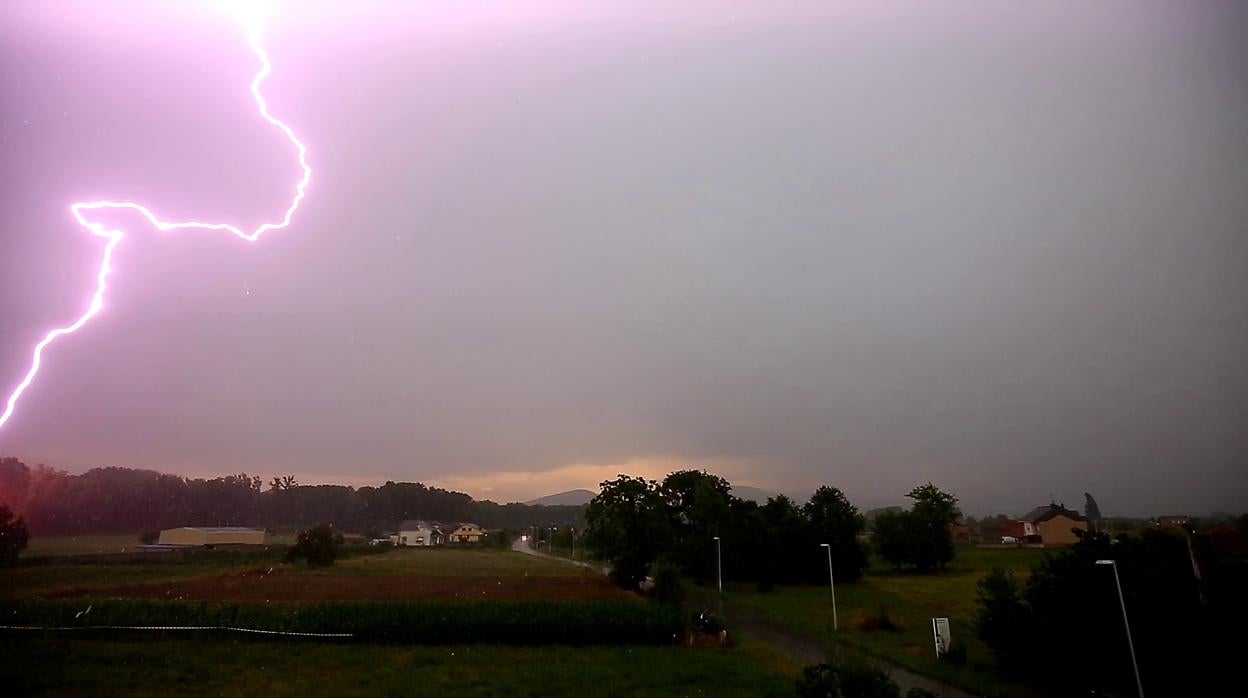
x,y
807,648
522,546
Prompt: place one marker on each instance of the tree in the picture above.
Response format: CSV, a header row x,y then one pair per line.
x,y
14,483
833,520
894,537
318,546
1002,619
13,537
934,512
1029,627
1091,512
699,507
628,526
919,537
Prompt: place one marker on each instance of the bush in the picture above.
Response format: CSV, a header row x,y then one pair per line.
x,y
879,621
13,537
703,621
846,680
667,586
149,537
956,654
916,692
317,545
425,622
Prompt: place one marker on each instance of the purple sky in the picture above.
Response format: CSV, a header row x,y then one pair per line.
x,y
1002,247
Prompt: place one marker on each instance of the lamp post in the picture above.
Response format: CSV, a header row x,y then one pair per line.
x,y
550,543
1139,685
719,567
573,542
831,584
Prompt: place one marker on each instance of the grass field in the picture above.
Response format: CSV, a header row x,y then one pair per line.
x,y
370,574
80,545
220,664
225,667
910,601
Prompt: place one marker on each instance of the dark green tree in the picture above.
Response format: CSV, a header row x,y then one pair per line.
x,y
833,520
895,537
318,546
628,526
934,511
700,506
13,537
920,537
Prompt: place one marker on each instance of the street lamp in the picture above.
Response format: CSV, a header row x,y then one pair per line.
x,y
1139,685
719,568
719,575
573,542
831,584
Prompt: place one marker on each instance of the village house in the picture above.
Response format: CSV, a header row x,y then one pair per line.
x,y
1052,526
432,533
420,533
465,533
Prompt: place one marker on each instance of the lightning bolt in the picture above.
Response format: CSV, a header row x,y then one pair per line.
x,y
82,210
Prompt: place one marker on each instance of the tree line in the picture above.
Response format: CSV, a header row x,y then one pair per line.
x,y
641,525
128,500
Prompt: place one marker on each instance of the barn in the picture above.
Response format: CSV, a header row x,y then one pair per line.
x,y
212,536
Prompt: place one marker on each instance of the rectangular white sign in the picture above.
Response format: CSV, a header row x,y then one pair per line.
x,y
940,632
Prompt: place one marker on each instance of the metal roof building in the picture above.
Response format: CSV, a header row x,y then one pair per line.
x,y
219,535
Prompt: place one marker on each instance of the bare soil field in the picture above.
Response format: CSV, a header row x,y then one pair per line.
x,y
304,587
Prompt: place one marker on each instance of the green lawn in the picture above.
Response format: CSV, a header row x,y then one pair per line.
x,y
229,667
910,601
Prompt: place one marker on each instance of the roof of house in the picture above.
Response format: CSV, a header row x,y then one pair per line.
x,y
219,529
413,524
1050,511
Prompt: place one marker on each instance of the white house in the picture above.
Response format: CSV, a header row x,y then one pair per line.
x,y
422,533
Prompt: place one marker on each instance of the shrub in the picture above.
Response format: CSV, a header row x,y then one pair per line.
x,y
318,546
879,621
667,586
13,537
856,679
916,692
149,537
956,654
706,623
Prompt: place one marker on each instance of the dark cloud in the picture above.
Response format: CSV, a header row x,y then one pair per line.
x,y
999,248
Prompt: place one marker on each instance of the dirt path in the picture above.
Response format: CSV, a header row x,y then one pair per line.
x,y
811,649
807,648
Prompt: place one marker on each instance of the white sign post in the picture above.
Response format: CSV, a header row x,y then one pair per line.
x,y
941,634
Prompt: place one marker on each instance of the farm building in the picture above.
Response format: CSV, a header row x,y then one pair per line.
x,y
212,536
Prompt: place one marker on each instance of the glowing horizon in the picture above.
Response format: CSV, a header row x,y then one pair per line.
x,y
115,236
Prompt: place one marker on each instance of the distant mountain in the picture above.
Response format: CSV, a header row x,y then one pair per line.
x,y
571,497
752,494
